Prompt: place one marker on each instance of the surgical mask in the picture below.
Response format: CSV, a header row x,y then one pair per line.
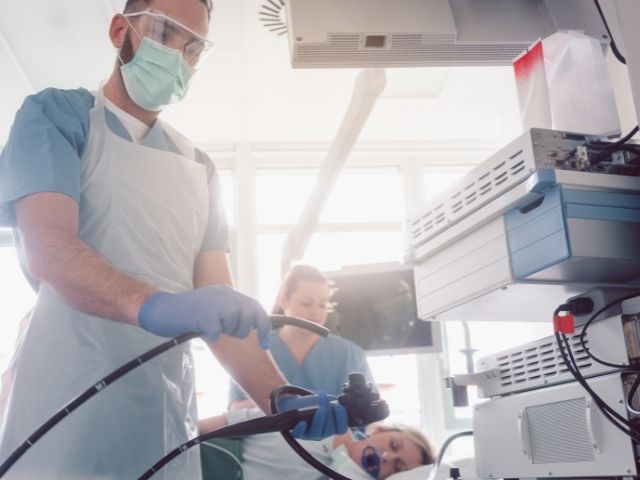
x,y
342,463
156,76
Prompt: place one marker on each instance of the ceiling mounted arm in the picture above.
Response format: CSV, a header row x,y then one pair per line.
x,y
368,86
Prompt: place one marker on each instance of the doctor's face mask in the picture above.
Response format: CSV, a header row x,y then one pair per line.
x,y
161,69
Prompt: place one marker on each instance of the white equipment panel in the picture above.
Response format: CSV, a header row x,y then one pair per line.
x,y
401,33
553,432
524,229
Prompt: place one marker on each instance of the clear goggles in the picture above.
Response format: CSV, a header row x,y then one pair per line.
x,y
161,28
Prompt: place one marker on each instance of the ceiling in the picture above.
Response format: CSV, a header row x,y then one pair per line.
x,y
246,91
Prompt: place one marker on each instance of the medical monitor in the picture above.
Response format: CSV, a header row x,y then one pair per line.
x,y
375,307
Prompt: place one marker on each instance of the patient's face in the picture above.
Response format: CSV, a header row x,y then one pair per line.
x,y
397,451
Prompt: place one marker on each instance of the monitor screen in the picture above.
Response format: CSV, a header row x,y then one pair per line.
x,y
374,306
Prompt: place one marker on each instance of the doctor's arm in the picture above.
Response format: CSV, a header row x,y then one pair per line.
x,y
254,369
48,225
251,367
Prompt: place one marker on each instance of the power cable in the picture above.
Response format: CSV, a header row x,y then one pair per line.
x,y
443,449
614,47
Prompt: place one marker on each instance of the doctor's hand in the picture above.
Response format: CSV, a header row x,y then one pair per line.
x,y
208,311
330,417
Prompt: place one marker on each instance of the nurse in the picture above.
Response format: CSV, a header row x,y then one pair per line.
x,y
120,221
305,358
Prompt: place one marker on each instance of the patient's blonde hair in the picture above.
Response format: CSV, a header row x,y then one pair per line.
x,y
427,448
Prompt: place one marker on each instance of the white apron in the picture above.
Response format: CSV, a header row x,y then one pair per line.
x,y
145,210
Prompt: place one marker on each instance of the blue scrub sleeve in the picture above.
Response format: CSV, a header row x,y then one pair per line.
x,y
216,236
43,151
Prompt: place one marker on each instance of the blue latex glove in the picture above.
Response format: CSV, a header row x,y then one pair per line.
x,y
330,417
209,311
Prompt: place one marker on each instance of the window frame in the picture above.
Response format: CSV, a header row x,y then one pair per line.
x,y
412,159
242,161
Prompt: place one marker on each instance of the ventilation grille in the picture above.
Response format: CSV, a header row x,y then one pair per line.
x,y
272,16
478,188
403,49
558,432
541,362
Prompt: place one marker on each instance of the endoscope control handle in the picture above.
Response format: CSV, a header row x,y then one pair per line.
x,y
363,405
356,417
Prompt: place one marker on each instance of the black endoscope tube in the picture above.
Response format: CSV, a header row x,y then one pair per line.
x,y
272,423
280,320
277,422
277,321
282,422
83,397
293,443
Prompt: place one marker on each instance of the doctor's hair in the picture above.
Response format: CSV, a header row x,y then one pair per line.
x,y
135,6
295,275
427,450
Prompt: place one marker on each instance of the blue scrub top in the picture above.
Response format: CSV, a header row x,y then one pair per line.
x,y
326,367
45,148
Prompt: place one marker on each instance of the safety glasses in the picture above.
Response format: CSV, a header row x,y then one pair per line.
x,y
161,28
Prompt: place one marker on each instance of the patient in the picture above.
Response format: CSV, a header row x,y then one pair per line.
x,y
267,456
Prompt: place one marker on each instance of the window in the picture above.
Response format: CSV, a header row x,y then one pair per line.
x,y
486,338
397,380
360,195
212,381
281,193
360,223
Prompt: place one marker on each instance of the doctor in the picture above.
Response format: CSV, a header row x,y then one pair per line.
x,y
120,221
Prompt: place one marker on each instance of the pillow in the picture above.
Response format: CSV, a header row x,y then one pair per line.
x,y
420,473
466,466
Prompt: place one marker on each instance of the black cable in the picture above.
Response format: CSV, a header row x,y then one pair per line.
x,y
572,366
277,320
443,449
280,320
583,334
614,47
631,394
601,145
604,408
267,424
87,394
292,442
278,422
575,371
615,145
632,148
565,307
